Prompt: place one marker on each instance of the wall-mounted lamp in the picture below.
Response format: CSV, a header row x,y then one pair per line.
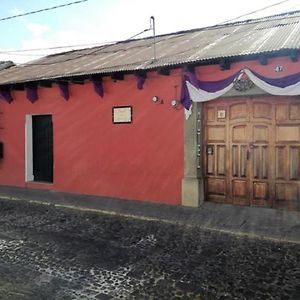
x,y
175,104
156,99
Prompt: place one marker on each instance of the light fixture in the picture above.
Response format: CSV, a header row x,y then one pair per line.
x,y
175,104
156,99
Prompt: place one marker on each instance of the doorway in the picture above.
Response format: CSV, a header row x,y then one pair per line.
x,y
39,148
252,151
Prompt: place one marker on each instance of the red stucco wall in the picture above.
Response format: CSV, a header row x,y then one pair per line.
x,y
213,73
141,161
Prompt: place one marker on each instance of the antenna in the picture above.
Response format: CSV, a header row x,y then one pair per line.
x,y
152,26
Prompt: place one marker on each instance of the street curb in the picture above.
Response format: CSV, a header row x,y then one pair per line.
x,y
155,219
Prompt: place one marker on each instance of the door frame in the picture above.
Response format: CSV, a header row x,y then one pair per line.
x,y
29,177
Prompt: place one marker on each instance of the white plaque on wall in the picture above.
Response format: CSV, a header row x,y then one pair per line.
x,y
122,114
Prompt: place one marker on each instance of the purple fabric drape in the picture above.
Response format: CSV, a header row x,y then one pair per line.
x,y
98,87
215,86
185,97
140,81
31,93
280,82
210,86
6,95
192,78
64,90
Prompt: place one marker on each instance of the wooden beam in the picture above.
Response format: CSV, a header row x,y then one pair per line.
x,y
141,73
263,60
190,68
164,71
96,77
224,64
18,86
77,80
117,76
46,83
294,55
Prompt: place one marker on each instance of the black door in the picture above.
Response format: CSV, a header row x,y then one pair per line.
x,y
42,144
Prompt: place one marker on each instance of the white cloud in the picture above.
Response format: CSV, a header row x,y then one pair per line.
x,y
125,18
39,38
37,29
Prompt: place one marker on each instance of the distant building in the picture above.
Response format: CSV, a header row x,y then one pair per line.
x,y
116,121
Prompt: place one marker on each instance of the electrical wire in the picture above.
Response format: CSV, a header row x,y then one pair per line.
x,y
86,54
120,49
17,52
20,51
42,10
254,11
56,47
239,33
111,42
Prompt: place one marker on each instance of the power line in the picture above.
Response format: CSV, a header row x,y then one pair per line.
x,y
55,47
84,55
20,51
16,51
42,10
254,11
107,44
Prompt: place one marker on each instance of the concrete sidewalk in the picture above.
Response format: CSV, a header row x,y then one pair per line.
x,y
252,221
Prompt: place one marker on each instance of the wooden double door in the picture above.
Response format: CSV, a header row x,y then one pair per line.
x,y
252,151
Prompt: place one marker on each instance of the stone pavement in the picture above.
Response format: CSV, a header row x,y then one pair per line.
x,y
241,220
48,252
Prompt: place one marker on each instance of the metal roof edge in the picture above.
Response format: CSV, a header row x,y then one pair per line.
x,y
203,62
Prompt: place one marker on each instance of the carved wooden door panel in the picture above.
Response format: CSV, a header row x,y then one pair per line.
x,y
250,157
261,152
260,165
215,149
240,146
252,152
239,172
287,154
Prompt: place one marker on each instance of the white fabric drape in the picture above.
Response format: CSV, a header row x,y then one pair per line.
x,y
291,90
199,95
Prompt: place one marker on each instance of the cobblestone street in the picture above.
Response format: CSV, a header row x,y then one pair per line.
x,y
53,253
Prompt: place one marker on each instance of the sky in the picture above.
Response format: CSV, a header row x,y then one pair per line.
x,y
104,21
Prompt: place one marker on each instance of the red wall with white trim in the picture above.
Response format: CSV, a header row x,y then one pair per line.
x,y
140,161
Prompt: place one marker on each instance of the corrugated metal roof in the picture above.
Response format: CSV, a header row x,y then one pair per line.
x,y
252,37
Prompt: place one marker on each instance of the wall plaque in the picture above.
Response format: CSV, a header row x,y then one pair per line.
x,y
122,114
